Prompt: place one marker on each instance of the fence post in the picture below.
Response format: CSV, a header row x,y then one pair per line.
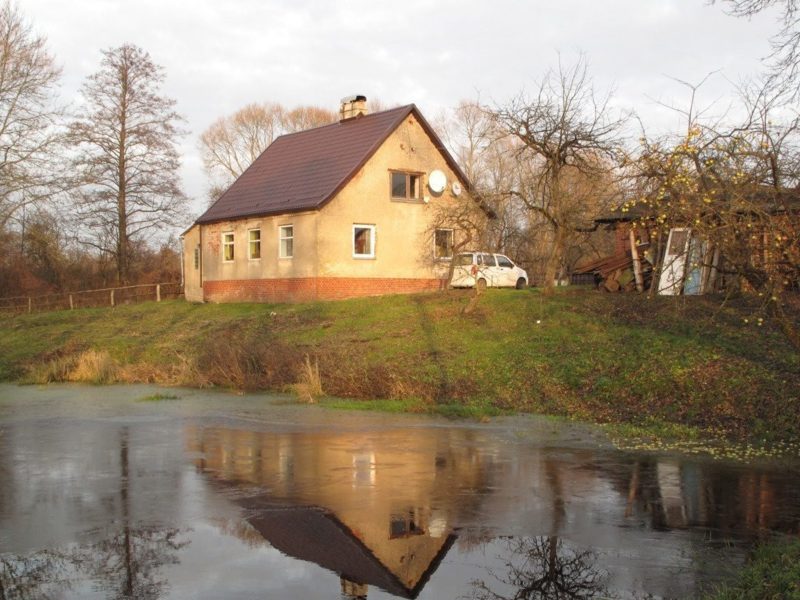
x,y
158,292
30,305
71,304
112,297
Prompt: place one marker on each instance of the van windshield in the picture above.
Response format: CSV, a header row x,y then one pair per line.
x,y
463,260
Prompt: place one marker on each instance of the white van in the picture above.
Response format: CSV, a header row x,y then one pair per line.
x,y
483,269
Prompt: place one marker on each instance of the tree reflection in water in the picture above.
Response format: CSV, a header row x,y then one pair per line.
x,y
543,568
39,575
123,563
126,564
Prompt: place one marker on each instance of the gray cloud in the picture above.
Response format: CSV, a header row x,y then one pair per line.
x,y
220,56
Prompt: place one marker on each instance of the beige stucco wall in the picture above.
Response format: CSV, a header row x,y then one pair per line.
x,y
270,265
404,243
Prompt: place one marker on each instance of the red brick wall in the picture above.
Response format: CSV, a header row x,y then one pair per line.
x,y
311,288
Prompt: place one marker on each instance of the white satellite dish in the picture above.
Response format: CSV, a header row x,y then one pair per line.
x,y
437,181
456,187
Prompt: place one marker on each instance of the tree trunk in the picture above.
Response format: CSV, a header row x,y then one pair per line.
x,y
555,258
122,211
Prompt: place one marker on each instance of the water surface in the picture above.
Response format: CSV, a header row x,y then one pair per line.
x,y
214,495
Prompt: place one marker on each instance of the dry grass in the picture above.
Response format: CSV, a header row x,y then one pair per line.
x,y
309,386
51,371
94,366
88,366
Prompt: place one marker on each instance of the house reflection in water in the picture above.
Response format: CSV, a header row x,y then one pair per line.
x,y
376,510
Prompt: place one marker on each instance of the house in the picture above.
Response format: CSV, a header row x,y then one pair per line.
x,y
702,251
344,210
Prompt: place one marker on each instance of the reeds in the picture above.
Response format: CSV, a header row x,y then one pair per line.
x,y
309,386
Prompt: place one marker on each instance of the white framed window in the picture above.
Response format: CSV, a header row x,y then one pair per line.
x,y
363,241
254,244
286,241
443,244
227,247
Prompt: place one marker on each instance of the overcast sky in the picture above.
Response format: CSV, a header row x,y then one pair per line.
x,y
220,55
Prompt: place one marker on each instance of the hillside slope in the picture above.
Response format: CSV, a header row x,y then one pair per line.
x,y
577,353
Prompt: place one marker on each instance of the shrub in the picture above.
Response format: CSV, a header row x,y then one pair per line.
x,y
309,385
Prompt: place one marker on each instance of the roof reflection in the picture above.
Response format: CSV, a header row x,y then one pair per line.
x,y
376,511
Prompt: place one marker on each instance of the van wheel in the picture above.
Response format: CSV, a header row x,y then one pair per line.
x,y
481,285
521,283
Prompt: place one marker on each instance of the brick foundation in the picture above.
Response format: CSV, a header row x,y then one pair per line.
x,y
312,288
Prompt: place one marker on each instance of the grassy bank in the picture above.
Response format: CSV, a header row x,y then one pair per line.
x,y
773,572
580,354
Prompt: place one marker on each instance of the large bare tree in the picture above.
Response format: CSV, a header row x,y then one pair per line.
x,y
232,143
785,54
28,115
486,155
566,134
127,161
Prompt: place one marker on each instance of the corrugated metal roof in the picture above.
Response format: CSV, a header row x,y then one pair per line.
x,y
302,171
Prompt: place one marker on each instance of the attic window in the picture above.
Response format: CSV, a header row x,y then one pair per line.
x,y
406,186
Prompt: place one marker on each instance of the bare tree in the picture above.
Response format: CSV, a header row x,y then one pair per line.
x,y
127,161
543,568
306,117
566,133
487,156
28,131
785,54
232,143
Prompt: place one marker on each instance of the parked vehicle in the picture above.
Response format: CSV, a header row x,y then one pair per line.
x,y
483,269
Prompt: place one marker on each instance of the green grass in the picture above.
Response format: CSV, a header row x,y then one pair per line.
x,y
773,573
158,398
663,362
410,405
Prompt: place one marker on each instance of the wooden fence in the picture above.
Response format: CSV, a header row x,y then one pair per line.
x,y
131,294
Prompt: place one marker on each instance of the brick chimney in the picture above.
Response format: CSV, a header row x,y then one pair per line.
x,y
352,106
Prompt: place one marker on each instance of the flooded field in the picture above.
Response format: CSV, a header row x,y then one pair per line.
x,y
107,495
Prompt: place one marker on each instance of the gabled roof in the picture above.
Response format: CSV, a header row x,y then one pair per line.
x,y
317,535
303,171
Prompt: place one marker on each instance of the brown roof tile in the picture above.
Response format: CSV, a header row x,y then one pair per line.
x,y
302,171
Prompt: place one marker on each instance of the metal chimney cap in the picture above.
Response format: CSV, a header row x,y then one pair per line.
x,y
355,98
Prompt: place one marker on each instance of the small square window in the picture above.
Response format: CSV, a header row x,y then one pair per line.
x,y
443,244
406,186
286,234
227,247
363,241
254,244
